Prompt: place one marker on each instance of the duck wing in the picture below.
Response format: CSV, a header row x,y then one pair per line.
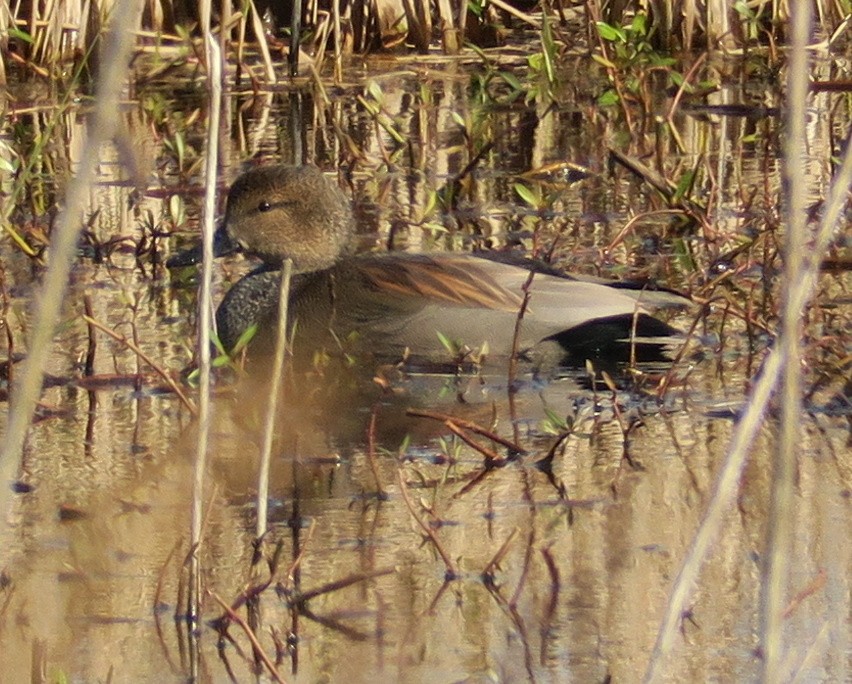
x,y
447,280
410,297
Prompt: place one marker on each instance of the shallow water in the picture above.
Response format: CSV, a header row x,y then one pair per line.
x,y
580,560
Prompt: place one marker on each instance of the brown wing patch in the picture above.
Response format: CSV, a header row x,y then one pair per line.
x,y
454,281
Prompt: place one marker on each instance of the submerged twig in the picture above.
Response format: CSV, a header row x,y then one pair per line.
x,y
157,368
451,572
381,494
270,666
488,572
468,425
306,596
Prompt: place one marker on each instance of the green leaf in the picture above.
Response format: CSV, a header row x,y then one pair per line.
x,y
244,339
683,186
431,205
8,165
639,26
683,256
447,343
527,195
19,34
219,361
510,79
604,61
375,91
477,9
611,33
608,99
214,338
177,210
536,61
555,421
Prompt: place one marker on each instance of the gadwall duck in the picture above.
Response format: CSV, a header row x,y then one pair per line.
x,y
395,304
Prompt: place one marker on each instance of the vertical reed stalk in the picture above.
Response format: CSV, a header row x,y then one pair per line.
x,y
274,397
338,47
296,37
214,86
257,24
780,529
64,243
726,486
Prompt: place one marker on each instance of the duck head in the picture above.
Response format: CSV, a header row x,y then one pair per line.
x,y
280,212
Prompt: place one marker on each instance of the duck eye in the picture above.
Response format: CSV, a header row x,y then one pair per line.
x,y
264,206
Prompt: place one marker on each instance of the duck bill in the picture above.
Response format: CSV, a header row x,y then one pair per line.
x,y
222,246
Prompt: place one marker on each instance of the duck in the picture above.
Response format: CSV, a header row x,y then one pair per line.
x,y
413,306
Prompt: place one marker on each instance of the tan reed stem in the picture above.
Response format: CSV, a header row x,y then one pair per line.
x,y
214,85
63,247
274,399
776,568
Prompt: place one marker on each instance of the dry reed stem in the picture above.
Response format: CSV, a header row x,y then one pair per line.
x,y
214,85
273,401
776,568
158,369
63,247
722,498
726,486
523,16
295,36
257,25
252,637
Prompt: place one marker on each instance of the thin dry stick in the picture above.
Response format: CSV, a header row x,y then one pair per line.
x,y
403,488
467,425
260,34
516,335
779,535
371,454
102,124
214,85
492,458
523,16
274,398
676,100
252,638
500,555
158,369
342,584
